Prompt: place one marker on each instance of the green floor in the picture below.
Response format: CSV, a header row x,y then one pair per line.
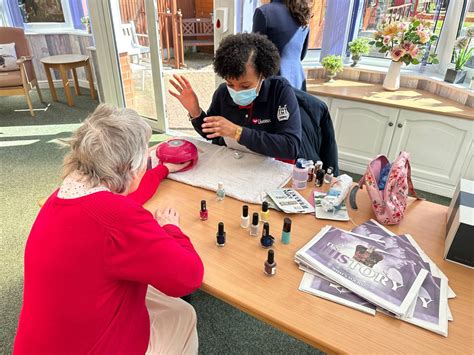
x,y
30,162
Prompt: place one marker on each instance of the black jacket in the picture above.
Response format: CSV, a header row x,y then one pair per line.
x,y
271,124
318,138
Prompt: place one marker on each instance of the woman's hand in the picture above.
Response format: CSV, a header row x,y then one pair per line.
x,y
218,126
185,94
176,167
167,216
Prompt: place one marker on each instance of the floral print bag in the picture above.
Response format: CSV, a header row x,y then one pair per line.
x,y
389,203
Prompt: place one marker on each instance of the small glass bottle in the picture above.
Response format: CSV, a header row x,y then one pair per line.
x,y
203,213
220,191
310,170
328,176
265,215
245,219
319,178
254,227
270,264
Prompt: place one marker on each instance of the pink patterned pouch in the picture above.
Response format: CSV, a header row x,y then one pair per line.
x,y
390,203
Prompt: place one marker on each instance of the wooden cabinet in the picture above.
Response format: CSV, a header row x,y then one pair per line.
x,y
440,147
362,132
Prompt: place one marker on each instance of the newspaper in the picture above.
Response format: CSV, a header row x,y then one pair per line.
x,y
324,288
430,309
375,271
290,201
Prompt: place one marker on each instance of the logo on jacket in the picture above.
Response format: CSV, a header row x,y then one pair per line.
x,y
260,121
283,114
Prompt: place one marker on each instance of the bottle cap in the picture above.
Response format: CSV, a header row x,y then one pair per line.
x,y
220,185
319,165
220,228
245,211
264,206
266,229
330,169
255,218
271,256
203,205
287,225
300,163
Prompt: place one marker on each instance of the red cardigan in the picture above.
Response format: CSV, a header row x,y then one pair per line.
x,y
88,262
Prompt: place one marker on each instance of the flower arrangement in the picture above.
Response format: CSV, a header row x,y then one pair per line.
x,y
406,41
333,65
462,49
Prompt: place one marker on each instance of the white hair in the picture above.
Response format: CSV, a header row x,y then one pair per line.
x,y
109,147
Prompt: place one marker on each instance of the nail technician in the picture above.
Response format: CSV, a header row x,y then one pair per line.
x,y
252,108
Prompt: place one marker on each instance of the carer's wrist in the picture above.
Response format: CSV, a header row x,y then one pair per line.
x,y
194,113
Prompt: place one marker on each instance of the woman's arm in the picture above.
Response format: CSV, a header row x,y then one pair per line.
x,y
149,183
259,22
138,249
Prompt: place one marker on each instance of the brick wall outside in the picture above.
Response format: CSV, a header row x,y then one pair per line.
x,y
127,80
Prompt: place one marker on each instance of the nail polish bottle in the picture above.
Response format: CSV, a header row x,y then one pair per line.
x,y
220,235
270,264
319,177
220,191
254,226
328,176
310,170
203,214
245,219
265,212
285,234
267,240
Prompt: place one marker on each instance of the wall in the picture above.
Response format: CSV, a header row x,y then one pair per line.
x,y
44,45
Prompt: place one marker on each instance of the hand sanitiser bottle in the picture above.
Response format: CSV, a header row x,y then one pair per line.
x,y
337,193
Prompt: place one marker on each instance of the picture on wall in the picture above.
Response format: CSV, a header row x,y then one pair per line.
x,y
41,10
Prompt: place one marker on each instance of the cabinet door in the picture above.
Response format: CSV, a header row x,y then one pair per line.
x,y
438,147
468,167
363,131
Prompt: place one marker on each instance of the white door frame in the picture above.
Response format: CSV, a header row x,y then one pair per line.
x,y
102,15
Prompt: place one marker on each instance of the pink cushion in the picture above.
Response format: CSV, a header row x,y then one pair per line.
x,y
10,78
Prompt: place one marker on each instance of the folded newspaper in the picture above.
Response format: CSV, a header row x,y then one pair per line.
x,y
372,264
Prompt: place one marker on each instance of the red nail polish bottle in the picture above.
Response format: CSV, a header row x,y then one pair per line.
x,y
203,214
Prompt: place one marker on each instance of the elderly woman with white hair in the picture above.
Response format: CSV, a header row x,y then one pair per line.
x,y
102,274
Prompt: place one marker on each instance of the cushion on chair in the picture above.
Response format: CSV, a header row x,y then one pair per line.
x,y
17,36
10,78
8,57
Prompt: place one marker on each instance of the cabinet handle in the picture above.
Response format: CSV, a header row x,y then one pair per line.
x,y
390,124
399,125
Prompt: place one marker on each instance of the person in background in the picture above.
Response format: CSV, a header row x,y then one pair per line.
x,y
102,274
285,23
252,109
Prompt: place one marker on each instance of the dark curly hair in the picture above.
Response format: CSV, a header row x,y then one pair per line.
x,y
301,10
235,51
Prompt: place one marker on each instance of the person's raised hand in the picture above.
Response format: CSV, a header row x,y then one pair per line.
x,y
218,126
167,216
185,94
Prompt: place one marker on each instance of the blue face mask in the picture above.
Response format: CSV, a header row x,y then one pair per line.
x,y
244,97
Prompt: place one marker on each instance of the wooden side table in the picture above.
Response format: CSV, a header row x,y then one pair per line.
x,y
63,63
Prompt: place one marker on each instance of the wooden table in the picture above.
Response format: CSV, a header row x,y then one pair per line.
x,y
63,63
234,274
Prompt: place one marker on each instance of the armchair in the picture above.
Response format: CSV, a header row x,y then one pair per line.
x,y
19,81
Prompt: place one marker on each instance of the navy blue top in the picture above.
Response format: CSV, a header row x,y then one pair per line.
x,y
291,39
271,124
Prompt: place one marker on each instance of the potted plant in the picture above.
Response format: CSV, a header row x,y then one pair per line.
x,y
333,65
404,42
87,23
358,47
462,54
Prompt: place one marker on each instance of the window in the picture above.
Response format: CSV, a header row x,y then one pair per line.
x,y
467,20
376,11
41,11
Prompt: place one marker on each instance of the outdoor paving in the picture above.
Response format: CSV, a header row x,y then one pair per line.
x,y
200,74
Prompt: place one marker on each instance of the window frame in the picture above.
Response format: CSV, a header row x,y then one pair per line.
x,y
452,21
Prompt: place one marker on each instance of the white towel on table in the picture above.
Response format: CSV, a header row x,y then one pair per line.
x,y
246,179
